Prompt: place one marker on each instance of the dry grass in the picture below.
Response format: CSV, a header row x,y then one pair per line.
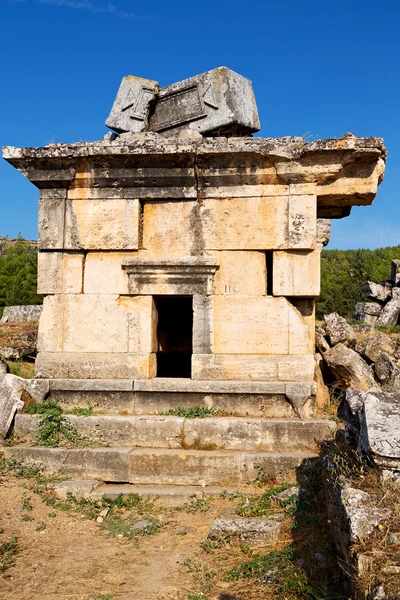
x,y
21,368
12,333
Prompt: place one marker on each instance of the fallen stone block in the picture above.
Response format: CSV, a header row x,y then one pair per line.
x,y
320,340
390,313
395,274
17,314
11,388
387,371
81,488
349,412
380,431
255,531
131,107
362,516
339,331
367,312
377,291
372,347
349,368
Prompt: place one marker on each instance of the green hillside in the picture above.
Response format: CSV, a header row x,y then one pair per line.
x,y
344,271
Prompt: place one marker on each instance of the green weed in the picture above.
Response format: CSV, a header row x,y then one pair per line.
x,y
82,412
263,505
290,583
127,528
54,427
197,505
8,552
193,412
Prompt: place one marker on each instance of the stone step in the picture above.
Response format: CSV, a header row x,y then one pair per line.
x,y
162,467
215,433
239,398
164,495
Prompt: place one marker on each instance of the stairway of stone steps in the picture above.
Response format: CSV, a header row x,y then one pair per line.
x,y
169,456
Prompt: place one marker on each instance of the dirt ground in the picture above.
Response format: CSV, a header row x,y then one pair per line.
x,y
65,554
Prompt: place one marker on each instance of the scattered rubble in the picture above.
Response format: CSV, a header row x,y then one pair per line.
x,y
385,306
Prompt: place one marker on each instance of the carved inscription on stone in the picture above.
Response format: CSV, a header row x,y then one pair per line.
x,y
176,108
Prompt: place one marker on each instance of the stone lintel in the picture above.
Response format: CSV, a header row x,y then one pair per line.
x,y
190,275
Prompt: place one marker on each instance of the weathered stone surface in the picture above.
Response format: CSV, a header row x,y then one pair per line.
x,y
339,331
224,433
50,272
349,368
395,274
241,273
215,102
252,366
349,412
322,393
320,340
52,217
273,326
94,365
103,273
16,314
109,224
103,464
362,516
79,488
296,273
371,347
377,291
189,467
380,430
256,531
367,312
323,232
73,273
131,107
390,313
183,276
387,371
10,401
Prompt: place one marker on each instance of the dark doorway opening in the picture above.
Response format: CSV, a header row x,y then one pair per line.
x,y
174,335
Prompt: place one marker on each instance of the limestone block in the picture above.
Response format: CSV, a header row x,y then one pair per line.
x,y
339,331
132,104
296,273
50,272
259,325
51,219
101,224
241,273
390,313
73,273
203,324
95,365
250,325
105,323
349,368
142,321
167,228
103,273
212,102
274,222
377,291
50,334
253,367
22,313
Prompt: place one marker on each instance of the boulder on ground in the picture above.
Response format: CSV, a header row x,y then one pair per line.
x,y
349,368
11,389
372,347
387,371
339,331
380,431
367,312
395,275
390,313
376,291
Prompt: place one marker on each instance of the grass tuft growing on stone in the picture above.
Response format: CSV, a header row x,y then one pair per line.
x,y
193,412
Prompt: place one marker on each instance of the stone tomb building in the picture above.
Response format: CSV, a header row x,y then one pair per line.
x,y
184,270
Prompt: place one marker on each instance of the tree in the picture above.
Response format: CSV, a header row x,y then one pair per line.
x,y
18,273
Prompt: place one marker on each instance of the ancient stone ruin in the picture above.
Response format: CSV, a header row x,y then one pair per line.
x,y
383,307
180,261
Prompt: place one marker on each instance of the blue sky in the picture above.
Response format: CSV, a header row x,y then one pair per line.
x,y
319,69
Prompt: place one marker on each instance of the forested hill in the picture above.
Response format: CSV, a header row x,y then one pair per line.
x,y
344,271
342,274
